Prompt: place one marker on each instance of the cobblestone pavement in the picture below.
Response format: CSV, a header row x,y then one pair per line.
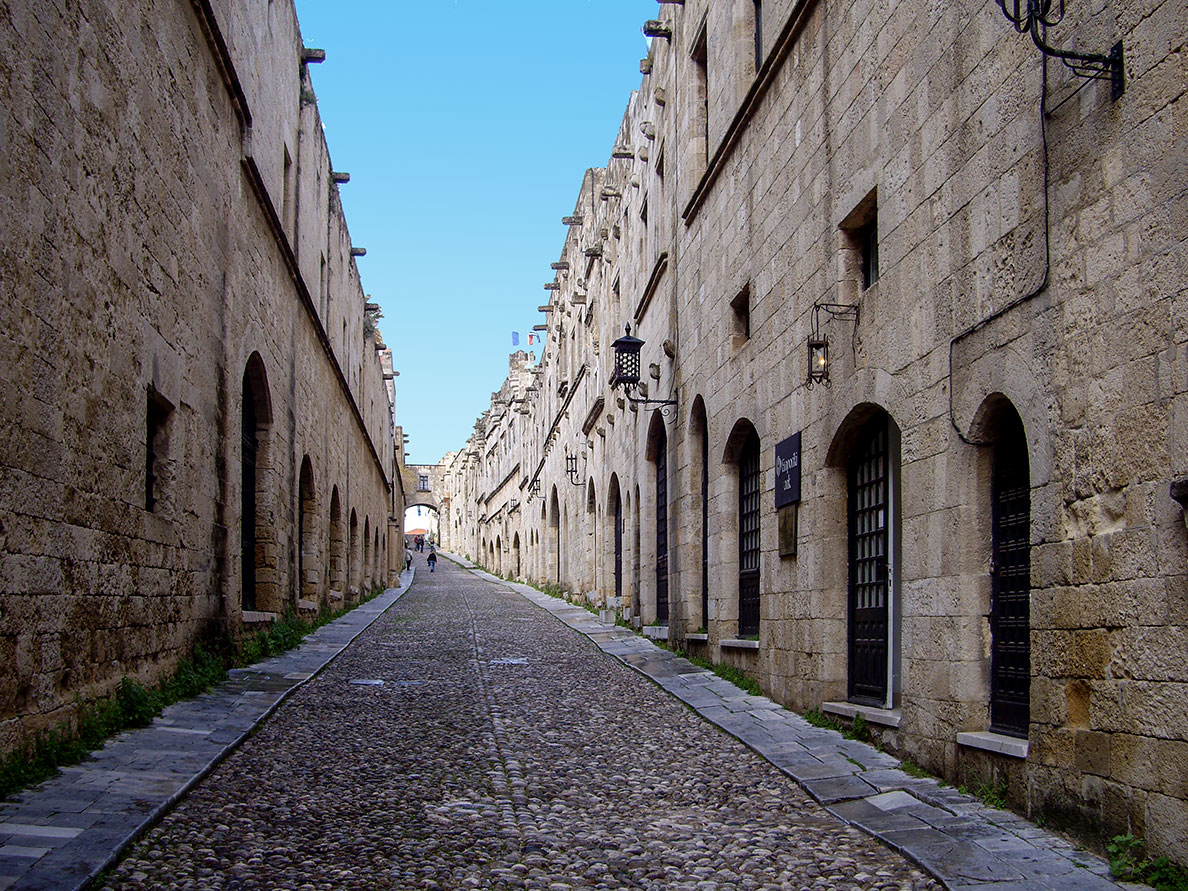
x,y
66,830
501,750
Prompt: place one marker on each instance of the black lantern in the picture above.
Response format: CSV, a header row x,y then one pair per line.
x,y
818,342
626,373
818,361
626,360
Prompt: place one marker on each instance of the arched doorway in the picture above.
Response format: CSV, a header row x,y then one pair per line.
x,y
872,518
615,510
308,571
337,545
255,533
354,574
743,452
1010,576
658,454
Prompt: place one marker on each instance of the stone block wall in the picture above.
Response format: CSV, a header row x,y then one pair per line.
x,y
157,250
1023,270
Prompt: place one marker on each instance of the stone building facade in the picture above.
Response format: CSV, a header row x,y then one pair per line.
x,y
967,528
198,424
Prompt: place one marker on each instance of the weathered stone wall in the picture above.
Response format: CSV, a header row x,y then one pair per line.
x,y
170,204
1021,271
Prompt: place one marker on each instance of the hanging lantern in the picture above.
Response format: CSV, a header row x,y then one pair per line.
x,y
626,360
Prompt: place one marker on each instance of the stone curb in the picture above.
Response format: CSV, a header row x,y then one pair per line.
x,y
205,731
961,842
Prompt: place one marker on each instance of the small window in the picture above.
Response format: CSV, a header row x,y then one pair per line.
x,y
859,244
423,483
868,247
700,57
156,444
758,35
740,308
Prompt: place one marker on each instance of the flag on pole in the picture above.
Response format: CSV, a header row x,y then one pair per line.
x,y
515,338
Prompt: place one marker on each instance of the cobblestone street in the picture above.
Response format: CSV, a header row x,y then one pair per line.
x,y
502,750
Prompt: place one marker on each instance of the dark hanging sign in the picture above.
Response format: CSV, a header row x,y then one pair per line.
x,y
787,471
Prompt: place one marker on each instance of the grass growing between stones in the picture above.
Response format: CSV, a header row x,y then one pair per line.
x,y
1127,865
736,676
132,704
992,794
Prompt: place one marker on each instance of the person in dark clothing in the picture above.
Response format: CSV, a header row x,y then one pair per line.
x,y
432,558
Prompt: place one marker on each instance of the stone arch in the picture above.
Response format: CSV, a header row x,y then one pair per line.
x,y
1002,506
338,582
552,569
497,555
354,571
365,568
309,572
740,555
1010,373
590,563
375,556
258,546
657,585
615,541
864,459
515,556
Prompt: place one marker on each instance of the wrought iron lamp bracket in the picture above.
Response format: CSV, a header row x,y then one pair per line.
x,y
1039,16
571,470
667,406
818,343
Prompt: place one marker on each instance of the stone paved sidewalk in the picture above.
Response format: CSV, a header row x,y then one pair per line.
x,y
65,831
955,837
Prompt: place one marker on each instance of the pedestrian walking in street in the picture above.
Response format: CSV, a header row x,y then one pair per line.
x,y
432,558
407,561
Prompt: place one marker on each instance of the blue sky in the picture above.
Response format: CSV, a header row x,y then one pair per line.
x,y
466,127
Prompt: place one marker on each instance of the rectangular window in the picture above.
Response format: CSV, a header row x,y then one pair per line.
x,y
423,483
700,92
740,308
758,35
868,246
858,241
155,446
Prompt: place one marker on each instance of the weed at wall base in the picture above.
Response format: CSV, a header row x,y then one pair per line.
x,y
132,704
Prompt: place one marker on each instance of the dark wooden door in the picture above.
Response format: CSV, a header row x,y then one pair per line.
x,y
869,516
618,546
704,525
748,537
1010,583
662,528
247,527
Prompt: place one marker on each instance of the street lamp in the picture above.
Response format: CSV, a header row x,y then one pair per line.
x,y
626,373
